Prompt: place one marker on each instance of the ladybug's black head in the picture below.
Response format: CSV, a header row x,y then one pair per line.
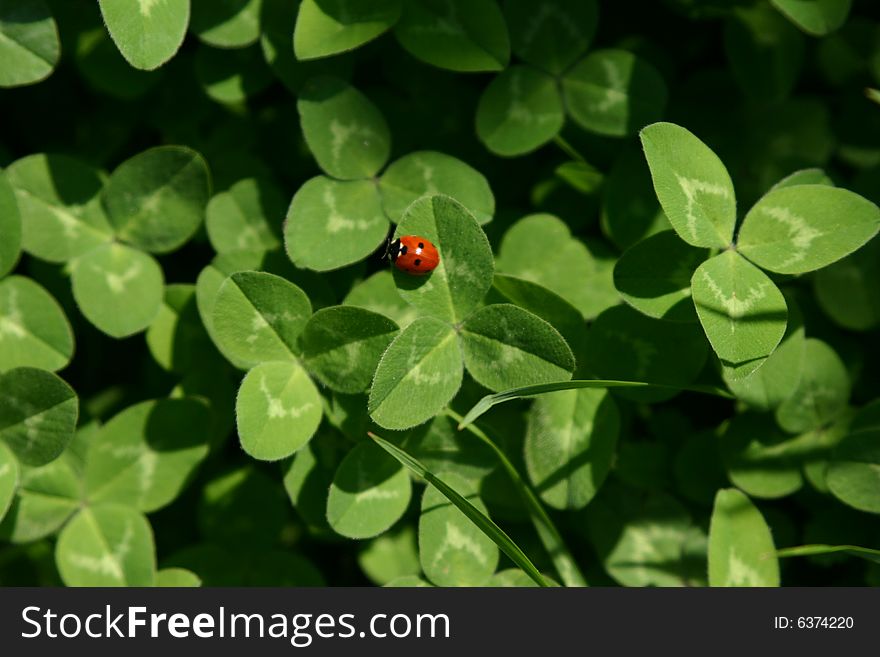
x,y
394,249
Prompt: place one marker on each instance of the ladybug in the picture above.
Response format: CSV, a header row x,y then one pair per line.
x,y
414,255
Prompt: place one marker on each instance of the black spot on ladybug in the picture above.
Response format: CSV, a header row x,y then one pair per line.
x,y
403,250
421,245
417,262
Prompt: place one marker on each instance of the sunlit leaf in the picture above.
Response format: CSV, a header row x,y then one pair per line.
x,y
741,550
452,549
59,200
328,27
742,312
10,226
347,214
796,229
107,545
34,331
693,185
430,172
258,316
464,274
226,23
345,131
118,289
417,376
148,33
145,455
278,410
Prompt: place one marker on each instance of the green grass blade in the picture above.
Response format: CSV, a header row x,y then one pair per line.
x,y
809,550
489,401
486,525
565,564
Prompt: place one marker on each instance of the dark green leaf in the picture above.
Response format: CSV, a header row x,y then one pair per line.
x,y
232,76
623,344
765,52
654,276
38,414
614,93
570,444
815,17
519,111
822,393
847,290
156,200
551,34
505,346
29,46
461,35
342,345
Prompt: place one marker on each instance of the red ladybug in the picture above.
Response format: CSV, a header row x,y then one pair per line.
x,y
414,255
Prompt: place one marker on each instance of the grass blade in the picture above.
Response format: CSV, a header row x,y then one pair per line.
x,y
489,401
486,525
808,550
565,564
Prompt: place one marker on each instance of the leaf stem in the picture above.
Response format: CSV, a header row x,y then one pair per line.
x,y
563,561
568,149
